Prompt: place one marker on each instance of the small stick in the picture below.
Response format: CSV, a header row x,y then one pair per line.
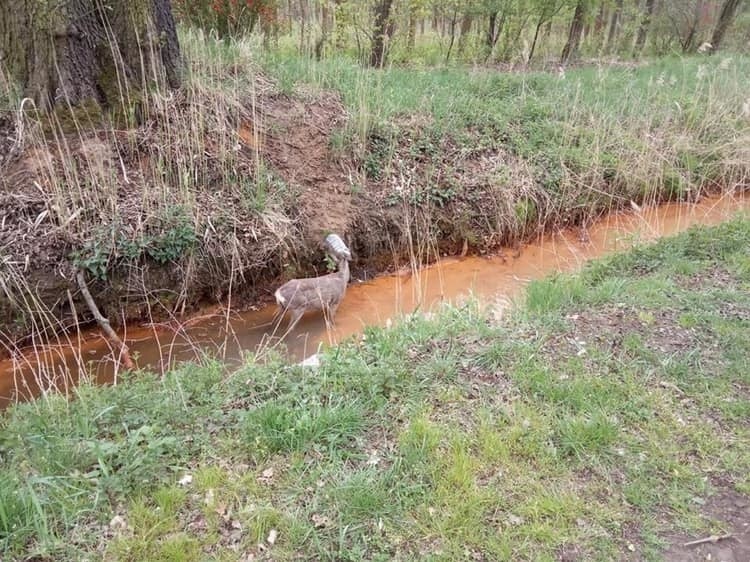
x,y
712,538
103,322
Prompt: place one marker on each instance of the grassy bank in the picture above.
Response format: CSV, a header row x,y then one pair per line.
x,y
606,414
538,148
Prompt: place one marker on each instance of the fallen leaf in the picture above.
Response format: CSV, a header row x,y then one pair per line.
x,y
266,476
118,522
222,511
320,521
272,536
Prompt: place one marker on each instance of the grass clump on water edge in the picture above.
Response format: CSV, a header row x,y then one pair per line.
x,y
599,417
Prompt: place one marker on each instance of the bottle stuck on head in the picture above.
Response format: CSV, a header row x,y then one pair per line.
x,y
323,293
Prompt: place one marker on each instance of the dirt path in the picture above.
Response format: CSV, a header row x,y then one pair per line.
x,y
731,512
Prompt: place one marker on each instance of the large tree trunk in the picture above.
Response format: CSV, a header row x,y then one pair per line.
x,y
644,27
728,10
79,51
574,35
382,15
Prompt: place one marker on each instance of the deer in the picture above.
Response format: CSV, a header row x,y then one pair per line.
x,y
323,293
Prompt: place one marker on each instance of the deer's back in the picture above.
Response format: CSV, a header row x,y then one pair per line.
x,y
315,293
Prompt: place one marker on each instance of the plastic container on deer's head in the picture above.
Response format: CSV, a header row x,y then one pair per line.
x,y
335,245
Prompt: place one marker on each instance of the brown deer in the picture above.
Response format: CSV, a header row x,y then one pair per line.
x,y
316,293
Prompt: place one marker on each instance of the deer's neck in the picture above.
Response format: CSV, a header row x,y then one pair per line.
x,y
344,270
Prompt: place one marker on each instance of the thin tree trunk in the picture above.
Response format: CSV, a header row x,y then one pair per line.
x,y
614,25
491,38
533,43
382,27
494,32
411,34
728,11
453,22
601,18
339,25
324,26
303,26
465,32
80,50
290,17
687,44
574,35
644,27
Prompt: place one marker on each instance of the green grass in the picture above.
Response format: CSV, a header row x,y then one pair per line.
x,y
610,118
600,415
476,154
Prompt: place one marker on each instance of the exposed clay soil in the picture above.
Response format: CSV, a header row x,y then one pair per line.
x,y
238,248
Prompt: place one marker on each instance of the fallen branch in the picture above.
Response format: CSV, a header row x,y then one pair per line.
x,y
103,322
712,538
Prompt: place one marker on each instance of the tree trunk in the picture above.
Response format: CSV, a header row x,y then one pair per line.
x,y
465,32
324,27
728,10
614,24
379,43
303,27
601,17
339,25
453,22
533,43
574,35
81,51
494,31
491,31
411,35
644,27
687,43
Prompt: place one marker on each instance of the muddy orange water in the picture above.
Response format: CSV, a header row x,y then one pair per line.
x,y
229,335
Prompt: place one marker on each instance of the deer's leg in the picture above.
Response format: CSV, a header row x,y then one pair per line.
x,y
296,317
278,317
329,315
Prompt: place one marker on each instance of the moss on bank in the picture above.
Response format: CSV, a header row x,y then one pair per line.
x,y
604,415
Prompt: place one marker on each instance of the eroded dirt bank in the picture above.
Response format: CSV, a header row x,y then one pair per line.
x,y
226,334
203,203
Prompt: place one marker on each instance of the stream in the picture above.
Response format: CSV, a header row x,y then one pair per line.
x,y
230,335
